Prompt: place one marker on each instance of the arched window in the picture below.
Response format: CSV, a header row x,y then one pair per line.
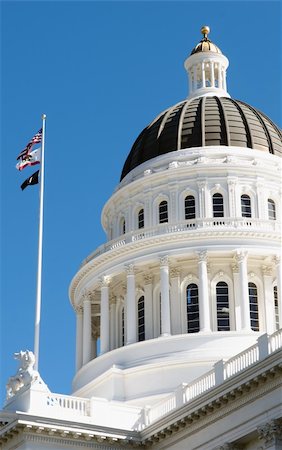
x,y
141,218
192,302
271,209
189,206
141,319
276,308
246,208
217,205
163,212
122,225
254,313
222,307
122,326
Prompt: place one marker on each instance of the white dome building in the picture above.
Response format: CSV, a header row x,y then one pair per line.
x,y
178,313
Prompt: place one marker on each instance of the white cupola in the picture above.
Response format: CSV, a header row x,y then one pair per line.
x,y
206,67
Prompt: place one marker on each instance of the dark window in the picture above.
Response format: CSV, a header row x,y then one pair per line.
x,y
254,312
192,302
246,206
141,319
222,307
190,212
141,218
276,308
123,226
271,209
217,205
122,326
163,212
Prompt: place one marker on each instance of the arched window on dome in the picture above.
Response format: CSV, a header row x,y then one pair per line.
x,y
122,225
141,319
222,307
217,205
163,212
141,218
122,326
271,209
246,208
192,304
189,207
276,308
254,312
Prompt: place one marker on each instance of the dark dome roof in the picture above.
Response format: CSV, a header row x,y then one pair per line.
x,y
205,121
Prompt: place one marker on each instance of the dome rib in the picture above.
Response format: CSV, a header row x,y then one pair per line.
x,y
204,121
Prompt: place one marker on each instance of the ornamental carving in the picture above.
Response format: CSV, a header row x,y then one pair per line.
x,y
267,270
104,281
148,278
235,268
174,272
241,256
25,375
276,259
271,432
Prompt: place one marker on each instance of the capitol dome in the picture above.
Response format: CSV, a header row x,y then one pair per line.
x,y
204,121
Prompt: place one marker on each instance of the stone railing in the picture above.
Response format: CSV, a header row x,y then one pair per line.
x,y
66,405
215,224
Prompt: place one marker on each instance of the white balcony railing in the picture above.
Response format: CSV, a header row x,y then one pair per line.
x,y
186,226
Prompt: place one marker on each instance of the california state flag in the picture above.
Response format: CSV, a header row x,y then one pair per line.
x,y
31,159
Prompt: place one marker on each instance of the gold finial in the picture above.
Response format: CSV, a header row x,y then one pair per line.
x,y
205,31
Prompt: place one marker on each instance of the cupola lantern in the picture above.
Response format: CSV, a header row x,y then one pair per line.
x,y
206,67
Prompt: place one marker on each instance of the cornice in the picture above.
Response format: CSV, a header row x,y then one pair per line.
x,y
131,248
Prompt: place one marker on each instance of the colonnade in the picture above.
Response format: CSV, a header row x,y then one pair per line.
x,y
212,71
168,279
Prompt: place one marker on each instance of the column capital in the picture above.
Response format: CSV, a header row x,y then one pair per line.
x,y
86,296
241,255
164,261
235,268
276,260
202,184
148,278
267,270
104,281
130,269
202,256
270,432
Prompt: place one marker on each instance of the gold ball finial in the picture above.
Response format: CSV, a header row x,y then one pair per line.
x,y
205,30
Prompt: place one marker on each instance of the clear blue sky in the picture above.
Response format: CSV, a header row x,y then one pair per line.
x,y
101,71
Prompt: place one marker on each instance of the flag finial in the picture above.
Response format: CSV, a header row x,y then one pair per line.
x,y
43,116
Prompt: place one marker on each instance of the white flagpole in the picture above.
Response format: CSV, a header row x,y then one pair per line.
x,y
40,242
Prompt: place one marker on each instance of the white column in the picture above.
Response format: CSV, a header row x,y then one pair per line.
x,y
241,258
203,75
277,260
269,312
212,73
224,79
175,303
165,304
219,76
86,330
202,199
105,319
148,294
190,81
195,77
237,297
79,331
204,304
131,313
113,342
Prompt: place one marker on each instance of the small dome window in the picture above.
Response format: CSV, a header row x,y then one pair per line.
x,y
271,209
163,212
254,312
141,218
141,319
217,205
246,208
222,307
189,205
192,304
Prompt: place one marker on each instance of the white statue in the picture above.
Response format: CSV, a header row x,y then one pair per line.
x,y
25,374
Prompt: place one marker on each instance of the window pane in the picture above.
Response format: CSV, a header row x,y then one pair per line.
x,y
163,212
192,302
122,326
222,307
141,319
271,209
253,299
141,218
217,202
190,212
246,206
276,308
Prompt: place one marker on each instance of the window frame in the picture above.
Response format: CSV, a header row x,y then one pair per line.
x,y
217,213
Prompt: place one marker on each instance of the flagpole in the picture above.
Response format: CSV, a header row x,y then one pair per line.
x,y
40,242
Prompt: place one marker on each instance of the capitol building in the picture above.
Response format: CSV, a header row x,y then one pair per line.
x,y
179,312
